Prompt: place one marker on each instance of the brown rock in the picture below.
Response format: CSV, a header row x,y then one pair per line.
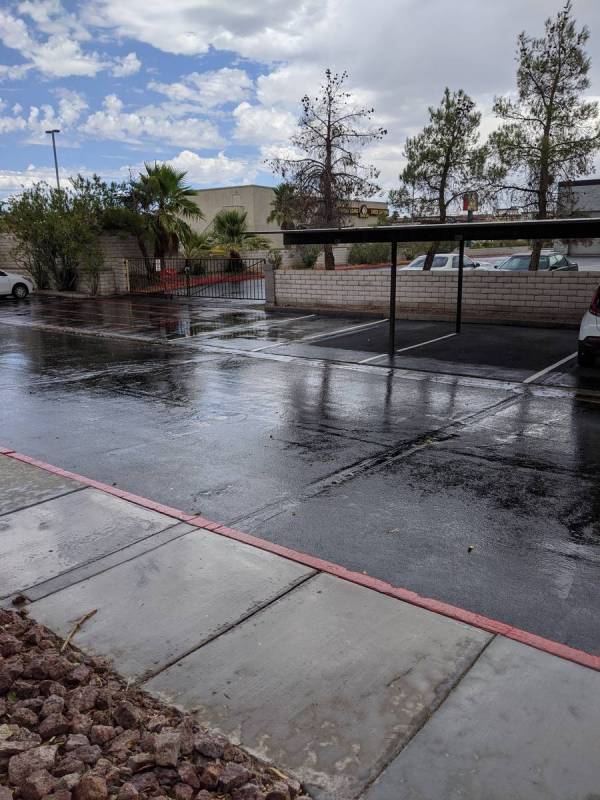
x,y
6,679
37,784
233,775
52,687
210,745
88,754
81,674
249,791
24,688
209,777
24,716
68,781
294,786
5,793
91,787
128,792
126,715
54,725
124,742
188,774
54,704
32,703
183,791
9,645
58,794
102,734
75,740
204,795
36,668
140,761
167,745
80,723
83,698
145,782
278,791
186,731
57,667
103,699
69,765
23,764
166,776
14,739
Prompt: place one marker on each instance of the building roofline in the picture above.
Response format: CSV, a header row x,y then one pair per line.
x,y
585,182
262,186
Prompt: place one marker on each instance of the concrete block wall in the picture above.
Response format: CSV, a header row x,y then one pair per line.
x,y
541,298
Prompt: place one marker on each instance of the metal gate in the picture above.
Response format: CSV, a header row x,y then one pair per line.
x,y
240,278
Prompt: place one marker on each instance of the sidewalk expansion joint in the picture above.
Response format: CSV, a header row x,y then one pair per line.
x,y
44,500
449,689
297,584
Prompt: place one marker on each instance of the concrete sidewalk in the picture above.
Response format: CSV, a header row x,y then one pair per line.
x,y
357,693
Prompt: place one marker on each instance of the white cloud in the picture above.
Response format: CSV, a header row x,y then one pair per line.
x,y
207,89
126,65
219,170
258,124
137,127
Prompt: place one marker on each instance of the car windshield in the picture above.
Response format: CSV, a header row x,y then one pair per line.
x,y
416,263
521,263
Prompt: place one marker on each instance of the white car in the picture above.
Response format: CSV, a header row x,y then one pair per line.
x,y
17,285
589,333
442,261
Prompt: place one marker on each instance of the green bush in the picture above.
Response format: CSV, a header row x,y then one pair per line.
x,y
369,253
411,250
308,254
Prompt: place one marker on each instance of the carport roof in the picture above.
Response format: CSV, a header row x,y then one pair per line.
x,y
585,228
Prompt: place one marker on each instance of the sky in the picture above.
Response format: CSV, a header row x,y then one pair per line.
x,y
214,86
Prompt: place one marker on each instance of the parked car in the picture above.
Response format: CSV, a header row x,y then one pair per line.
x,y
519,262
17,285
589,333
442,261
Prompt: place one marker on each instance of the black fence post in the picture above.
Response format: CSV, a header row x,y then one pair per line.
x,y
392,326
459,288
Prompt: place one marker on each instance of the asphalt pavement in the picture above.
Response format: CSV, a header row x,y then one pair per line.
x,y
467,473
357,689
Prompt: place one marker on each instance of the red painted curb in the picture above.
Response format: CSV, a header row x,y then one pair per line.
x,y
375,584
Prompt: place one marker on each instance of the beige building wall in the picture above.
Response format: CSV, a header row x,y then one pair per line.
x,y
256,202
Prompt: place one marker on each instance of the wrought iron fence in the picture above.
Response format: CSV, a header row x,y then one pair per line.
x,y
210,276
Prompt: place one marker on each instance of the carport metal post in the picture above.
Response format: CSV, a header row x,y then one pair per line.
x,y
392,327
459,288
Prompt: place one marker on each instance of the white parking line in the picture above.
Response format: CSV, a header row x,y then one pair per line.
x,y
539,374
410,347
322,335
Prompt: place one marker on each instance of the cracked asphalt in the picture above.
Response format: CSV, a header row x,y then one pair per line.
x,y
444,472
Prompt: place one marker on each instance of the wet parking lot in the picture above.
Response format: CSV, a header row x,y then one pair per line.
x,y
464,469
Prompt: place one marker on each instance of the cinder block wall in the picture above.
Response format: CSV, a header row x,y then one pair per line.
x,y
542,297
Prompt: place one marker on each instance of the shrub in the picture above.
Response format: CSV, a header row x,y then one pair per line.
x,y
369,253
308,254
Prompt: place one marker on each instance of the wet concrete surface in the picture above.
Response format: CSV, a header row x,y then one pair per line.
x,y
334,680
219,583
394,473
499,713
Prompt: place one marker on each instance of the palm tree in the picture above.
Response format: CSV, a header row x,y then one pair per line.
x,y
284,206
230,232
166,203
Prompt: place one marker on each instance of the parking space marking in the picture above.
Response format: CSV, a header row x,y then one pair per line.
x,y
325,335
410,347
542,372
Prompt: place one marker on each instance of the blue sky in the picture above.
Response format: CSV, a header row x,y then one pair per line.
x,y
214,87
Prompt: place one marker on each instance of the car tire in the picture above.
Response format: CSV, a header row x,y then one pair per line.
x,y
585,357
20,291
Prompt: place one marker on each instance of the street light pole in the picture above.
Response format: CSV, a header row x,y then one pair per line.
x,y
52,133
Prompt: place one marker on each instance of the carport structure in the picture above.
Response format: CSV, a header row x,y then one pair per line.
x,y
561,229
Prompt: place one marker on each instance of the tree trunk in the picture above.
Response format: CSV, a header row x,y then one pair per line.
x,y
433,248
329,259
536,250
